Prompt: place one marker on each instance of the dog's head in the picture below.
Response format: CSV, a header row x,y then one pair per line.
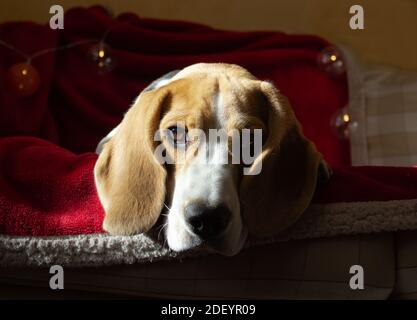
x,y
209,203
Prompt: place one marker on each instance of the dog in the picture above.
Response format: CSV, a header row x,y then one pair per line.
x,y
213,206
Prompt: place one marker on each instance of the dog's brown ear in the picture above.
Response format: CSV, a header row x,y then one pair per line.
x,y
130,181
276,197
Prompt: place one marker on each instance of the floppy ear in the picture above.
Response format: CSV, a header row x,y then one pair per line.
x,y
279,194
129,180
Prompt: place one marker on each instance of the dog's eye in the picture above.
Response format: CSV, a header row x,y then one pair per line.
x,y
178,135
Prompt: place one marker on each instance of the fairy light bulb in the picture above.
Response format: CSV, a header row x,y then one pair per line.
x,y
342,124
23,79
331,61
100,54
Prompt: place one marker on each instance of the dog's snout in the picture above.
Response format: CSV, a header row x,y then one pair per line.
x,y
205,221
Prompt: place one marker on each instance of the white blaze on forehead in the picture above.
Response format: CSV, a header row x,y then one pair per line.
x,y
219,112
217,140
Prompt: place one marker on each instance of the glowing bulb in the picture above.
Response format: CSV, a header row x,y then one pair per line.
x,y
101,55
342,124
346,118
23,79
331,61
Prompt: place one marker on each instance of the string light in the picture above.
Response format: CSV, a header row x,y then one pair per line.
x,y
331,61
24,79
100,54
342,124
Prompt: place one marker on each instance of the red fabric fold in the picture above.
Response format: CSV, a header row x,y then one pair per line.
x,y
46,190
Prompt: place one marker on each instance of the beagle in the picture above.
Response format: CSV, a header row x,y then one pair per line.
x,y
199,204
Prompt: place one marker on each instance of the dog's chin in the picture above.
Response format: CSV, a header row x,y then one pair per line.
x,y
229,244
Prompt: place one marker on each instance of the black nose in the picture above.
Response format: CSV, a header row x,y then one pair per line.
x,y
205,221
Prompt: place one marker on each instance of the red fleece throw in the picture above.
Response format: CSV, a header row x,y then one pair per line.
x,y
46,144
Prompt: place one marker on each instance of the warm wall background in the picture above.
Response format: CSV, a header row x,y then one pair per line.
x,y
390,34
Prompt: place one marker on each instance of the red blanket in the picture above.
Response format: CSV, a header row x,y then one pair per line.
x,y
46,144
